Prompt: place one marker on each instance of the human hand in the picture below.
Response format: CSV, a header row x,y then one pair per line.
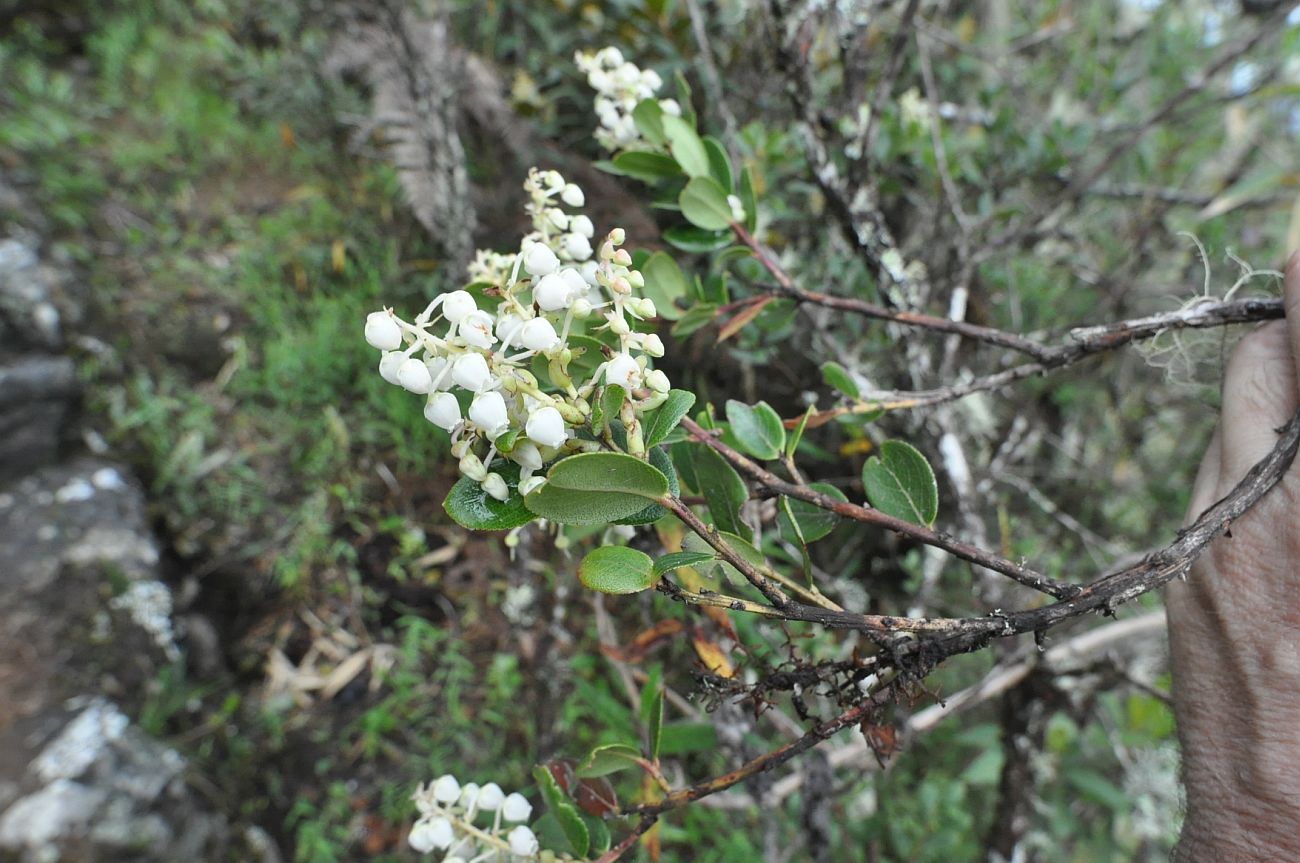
x,y
1234,623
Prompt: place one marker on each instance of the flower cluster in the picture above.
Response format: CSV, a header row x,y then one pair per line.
x,y
448,811
619,87
477,372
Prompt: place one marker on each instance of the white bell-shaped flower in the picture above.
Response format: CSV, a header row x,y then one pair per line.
x,y
572,195
446,788
508,324
539,260
546,427
552,293
576,280
476,329
657,381
488,412
431,835
491,797
443,411
582,225
670,107
389,363
469,791
522,842
577,246
516,808
457,305
471,372
413,375
495,485
527,456
440,370
623,370
383,332
539,335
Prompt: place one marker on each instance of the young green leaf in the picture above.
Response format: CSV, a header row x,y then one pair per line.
x,y
695,318
900,482
611,403
723,489
575,831
749,199
802,522
719,164
649,119
665,283
616,569
689,238
678,559
796,435
597,487
704,204
646,167
473,508
836,376
607,759
686,146
667,416
757,429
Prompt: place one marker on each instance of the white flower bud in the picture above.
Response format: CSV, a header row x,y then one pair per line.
x,y
516,807
488,412
653,345
618,236
491,797
496,486
539,260
469,791
657,381
623,370
556,217
472,467
383,332
539,335
527,487
389,363
508,325
609,57
737,208
522,842
545,426
622,257
471,372
476,329
577,246
552,292
554,181
443,411
642,307
617,324
460,447
457,305
434,834
413,375
582,225
651,80
620,285
598,79
573,196
527,456
581,308
670,107
446,789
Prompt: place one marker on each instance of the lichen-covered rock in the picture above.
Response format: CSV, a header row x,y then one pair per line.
x,y
88,625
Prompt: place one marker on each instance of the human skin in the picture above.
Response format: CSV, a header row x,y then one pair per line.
x,y
1234,622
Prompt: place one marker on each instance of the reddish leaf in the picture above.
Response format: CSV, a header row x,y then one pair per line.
x,y
596,797
883,740
636,650
743,318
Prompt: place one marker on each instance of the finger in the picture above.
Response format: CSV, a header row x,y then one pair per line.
x,y
1259,396
1205,491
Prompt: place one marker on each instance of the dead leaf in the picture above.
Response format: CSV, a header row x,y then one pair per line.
x,y
713,656
743,318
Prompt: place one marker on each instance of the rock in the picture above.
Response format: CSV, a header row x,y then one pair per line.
x,y
37,394
29,316
90,626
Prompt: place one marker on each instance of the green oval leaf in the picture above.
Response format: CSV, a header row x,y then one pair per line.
x,y
719,164
704,203
655,511
607,759
749,199
802,522
665,283
900,482
471,507
644,166
565,812
689,238
678,559
618,570
652,711
597,487
649,119
723,489
666,417
686,146
757,429
838,377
